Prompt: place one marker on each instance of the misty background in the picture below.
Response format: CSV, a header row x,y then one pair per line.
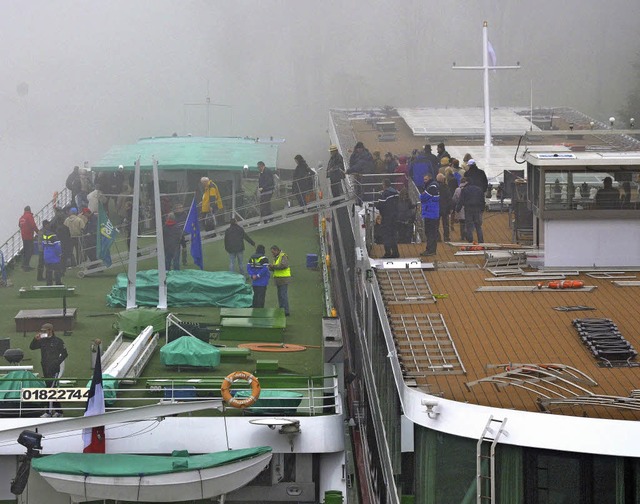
x,y
78,77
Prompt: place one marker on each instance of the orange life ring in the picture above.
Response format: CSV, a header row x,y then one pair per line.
x,y
240,403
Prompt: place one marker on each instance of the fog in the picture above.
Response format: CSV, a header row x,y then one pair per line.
x,y
78,77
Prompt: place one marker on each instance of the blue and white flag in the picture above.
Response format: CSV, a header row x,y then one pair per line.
x,y
107,234
491,54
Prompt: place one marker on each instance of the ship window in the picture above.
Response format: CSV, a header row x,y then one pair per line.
x,y
587,188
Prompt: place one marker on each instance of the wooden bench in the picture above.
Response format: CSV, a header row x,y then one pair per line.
x,y
32,320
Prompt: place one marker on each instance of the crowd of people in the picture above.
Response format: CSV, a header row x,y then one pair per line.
x,y
450,192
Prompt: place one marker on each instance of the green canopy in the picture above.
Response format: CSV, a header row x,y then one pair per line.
x,y
122,465
191,153
108,388
10,390
190,351
186,288
132,322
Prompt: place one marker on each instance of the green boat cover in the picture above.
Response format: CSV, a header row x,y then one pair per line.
x,y
132,322
186,288
109,384
14,381
189,351
123,465
273,402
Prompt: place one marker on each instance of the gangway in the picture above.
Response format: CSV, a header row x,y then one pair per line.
x,y
288,214
126,359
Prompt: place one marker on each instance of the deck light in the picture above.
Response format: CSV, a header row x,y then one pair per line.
x,y
632,122
431,405
612,120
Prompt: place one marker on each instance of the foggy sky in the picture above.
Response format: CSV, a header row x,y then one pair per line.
x,y
104,73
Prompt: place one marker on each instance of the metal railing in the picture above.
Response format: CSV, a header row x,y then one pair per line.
x,y
318,396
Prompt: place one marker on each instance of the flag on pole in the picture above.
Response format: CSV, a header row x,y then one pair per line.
x,y
192,227
107,234
93,438
492,54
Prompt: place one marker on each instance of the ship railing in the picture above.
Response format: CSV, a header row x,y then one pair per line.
x,y
319,396
12,248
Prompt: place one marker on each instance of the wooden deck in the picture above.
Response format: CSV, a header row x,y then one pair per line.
x,y
492,328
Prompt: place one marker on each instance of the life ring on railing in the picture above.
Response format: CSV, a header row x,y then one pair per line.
x,y
245,402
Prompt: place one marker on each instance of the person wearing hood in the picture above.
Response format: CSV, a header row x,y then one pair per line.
x,y
28,230
390,163
360,163
172,237
388,206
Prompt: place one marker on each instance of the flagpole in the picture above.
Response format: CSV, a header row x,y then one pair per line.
x,y
162,271
485,68
133,239
487,107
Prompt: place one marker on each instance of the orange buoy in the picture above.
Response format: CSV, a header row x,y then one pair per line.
x,y
240,403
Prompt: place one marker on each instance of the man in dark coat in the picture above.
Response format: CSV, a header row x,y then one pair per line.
x,y
172,237
445,206
234,238
265,188
335,171
52,356
472,199
360,163
475,176
388,206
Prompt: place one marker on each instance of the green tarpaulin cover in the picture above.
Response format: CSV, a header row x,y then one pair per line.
x,y
16,380
273,402
189,351
186,288
113,465
132,322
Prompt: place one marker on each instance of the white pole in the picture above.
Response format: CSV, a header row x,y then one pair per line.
x,y
162,272
485,66
133,241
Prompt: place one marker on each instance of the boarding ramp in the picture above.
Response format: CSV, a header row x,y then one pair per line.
x,y
248,216
125,359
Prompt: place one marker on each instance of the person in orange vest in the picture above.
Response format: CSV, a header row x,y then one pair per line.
x,y
211,202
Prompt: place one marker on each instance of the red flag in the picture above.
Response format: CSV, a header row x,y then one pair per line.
x,y
94,441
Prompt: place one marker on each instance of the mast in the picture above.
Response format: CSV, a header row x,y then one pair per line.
x,y
487,65
162,272
133,239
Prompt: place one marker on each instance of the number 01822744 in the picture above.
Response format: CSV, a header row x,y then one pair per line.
x,y
54,394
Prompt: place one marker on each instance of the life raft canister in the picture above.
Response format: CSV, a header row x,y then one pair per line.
x,y
566,284
247,401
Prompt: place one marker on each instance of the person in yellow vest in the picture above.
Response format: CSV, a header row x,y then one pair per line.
x,y
211,202
281,276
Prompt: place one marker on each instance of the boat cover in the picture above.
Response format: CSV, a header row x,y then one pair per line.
x,y
132,322
190,351
186,288
10,390
273,401
122,465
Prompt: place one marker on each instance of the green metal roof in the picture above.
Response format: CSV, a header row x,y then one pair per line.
x,y
191,153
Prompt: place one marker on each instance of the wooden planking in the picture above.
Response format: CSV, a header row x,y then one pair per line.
x,y
500,327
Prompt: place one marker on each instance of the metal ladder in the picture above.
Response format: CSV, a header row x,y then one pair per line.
x,y
485,476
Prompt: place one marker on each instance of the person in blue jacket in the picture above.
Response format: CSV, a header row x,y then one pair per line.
x,y
52,255
258,271
430,200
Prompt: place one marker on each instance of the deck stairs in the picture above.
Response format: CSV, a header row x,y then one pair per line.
x,y
486,460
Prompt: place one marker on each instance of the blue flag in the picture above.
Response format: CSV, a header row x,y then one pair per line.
x,y
107,234
192,227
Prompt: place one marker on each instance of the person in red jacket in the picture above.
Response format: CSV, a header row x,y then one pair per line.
x,y
28,229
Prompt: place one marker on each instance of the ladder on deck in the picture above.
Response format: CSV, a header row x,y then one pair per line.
x,y
486,460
